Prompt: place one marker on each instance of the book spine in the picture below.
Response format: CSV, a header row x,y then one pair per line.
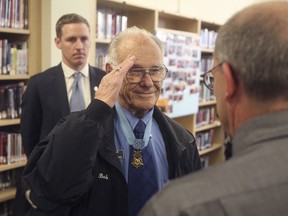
x,y
26,23
1,52
100,34
4,55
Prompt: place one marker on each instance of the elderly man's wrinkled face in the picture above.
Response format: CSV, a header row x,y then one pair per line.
x,y
140,97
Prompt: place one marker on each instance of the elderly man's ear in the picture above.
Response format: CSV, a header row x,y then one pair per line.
x,y
108,68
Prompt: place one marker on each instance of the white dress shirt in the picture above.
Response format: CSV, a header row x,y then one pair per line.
x,y
85,82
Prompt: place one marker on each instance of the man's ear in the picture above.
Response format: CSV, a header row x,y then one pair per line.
x,y
108,68
231,82
57,42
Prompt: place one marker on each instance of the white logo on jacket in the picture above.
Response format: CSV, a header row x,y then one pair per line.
x,y
102,176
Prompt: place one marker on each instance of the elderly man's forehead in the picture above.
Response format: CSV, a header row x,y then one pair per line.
x,y
132,45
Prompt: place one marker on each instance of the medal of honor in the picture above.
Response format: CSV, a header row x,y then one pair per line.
x,y
137,160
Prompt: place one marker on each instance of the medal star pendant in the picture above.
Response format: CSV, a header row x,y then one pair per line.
x,y
137,160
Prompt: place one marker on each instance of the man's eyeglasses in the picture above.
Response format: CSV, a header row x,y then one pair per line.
x,y
136,74
209,78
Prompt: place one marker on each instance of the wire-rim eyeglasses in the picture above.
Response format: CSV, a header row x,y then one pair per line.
x,y
157,74
208,77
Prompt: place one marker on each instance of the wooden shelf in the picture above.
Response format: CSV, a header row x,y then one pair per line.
x,y
5,167
208,127
121,6
7,122
214,147
14,77
171,21
207,103
15,31
207,50
173,31
7,194
210,25
103,41
137,15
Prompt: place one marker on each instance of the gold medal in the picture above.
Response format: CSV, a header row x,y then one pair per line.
x,y
137,160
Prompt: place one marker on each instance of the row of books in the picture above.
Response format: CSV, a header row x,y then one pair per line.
x,y
11,150
10,100
205,94
205,116
204,139
208,38
206,63
13,58
7,179
101,52
6,208
109,23
14,14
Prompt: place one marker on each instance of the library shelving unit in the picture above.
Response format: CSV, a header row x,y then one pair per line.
x,y
153,20
207,103
28,35
9,193
9,123
133,14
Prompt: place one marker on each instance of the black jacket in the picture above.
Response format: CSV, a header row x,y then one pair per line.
x,y
75,171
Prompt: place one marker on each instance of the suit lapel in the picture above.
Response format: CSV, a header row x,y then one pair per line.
x,y
61,91
95,79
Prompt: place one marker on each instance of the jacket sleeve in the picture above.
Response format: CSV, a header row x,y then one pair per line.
x,y
60,168
30,117
191,161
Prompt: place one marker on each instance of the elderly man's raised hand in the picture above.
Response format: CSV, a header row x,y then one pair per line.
x,y
111,83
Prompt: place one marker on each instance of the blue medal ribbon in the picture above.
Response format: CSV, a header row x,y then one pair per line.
x,y
138,144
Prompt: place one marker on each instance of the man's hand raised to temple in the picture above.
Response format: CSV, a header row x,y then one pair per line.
x,y
111,83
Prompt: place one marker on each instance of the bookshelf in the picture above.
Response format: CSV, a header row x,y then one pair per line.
x,y
207,103
154,20
8,122
15,77
6,167
7,194
25,37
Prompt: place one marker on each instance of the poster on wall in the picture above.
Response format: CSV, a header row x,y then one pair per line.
x,y
180,89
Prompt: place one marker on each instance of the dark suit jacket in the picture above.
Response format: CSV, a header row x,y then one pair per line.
x,y
45,101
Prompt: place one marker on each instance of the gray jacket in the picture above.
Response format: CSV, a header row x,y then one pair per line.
x,y
254,182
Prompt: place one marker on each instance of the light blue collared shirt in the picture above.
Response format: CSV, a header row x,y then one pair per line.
x,y
155,145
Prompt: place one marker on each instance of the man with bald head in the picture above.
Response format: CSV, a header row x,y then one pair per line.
x,y
250,80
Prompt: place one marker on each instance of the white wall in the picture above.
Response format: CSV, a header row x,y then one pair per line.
x,y
52,10
217,11
213,10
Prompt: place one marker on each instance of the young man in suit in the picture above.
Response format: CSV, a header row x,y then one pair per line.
x,y
48,94
250,80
